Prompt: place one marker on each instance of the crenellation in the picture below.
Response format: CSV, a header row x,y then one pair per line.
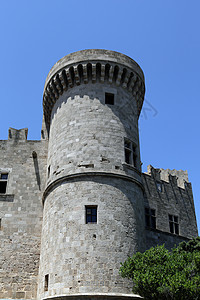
x,y
17,134
75,204
165,194
177,177
114,74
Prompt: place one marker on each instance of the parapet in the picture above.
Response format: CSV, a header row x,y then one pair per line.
x,y
17,134
178,177
95,65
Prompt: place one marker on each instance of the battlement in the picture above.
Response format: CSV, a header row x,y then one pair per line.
x,y
75,204
103,66
178,177
17,134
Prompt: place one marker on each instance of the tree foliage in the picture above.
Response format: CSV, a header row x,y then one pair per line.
x,y
160,274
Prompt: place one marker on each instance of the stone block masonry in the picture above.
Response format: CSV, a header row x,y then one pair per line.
x,y
87,109
21,214
75,204
169,193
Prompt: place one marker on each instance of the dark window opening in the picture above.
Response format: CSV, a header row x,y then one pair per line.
x,y
3,185
127,156
159,186
150,218
46,282
127,144
109,98
130,153
91,214
173,224
49,169
3,182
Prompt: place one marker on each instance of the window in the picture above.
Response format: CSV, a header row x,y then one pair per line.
x,y
150,218
46,282
3,182
130,153
109,98
159,186
173,224
91,214
49,170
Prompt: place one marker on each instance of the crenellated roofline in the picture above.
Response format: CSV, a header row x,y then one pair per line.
x,y
91,66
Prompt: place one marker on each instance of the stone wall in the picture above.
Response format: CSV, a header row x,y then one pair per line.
x,y
51,183
168,192
21,214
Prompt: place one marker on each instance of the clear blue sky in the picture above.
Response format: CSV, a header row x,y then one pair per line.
x,y
162,36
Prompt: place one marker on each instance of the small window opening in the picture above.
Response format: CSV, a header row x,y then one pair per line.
x,y
91,214
159,186
46,282
150,218
49,169
130,153
127,146
42,134
127,156
4,176
109,98
173,224
3,182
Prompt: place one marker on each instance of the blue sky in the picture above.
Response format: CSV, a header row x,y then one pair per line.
x,y
162,36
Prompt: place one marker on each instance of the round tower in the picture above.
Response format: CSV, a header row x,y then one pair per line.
x,y
93,202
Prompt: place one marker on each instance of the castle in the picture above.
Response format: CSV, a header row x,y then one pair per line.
x,y
75,204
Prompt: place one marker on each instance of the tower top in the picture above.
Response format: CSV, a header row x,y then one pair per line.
x,y
93,65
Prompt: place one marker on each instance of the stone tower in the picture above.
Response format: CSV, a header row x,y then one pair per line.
x,y
75,204
93,214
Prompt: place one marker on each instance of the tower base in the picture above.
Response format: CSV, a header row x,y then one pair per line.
x,y
96,296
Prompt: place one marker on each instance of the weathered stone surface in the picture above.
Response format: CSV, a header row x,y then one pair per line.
x,y
87,167
175,198
80,161
21,215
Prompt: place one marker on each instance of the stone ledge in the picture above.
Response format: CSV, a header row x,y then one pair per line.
x,y
158,231
132,168
88,174
7,197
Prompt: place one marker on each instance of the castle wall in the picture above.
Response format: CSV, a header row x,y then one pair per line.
x,y
90,162
21,214
168,195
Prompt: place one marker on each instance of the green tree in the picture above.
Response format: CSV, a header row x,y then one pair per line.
x,y
160,274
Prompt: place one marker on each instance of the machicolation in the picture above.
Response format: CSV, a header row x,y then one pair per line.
x,y
75,204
